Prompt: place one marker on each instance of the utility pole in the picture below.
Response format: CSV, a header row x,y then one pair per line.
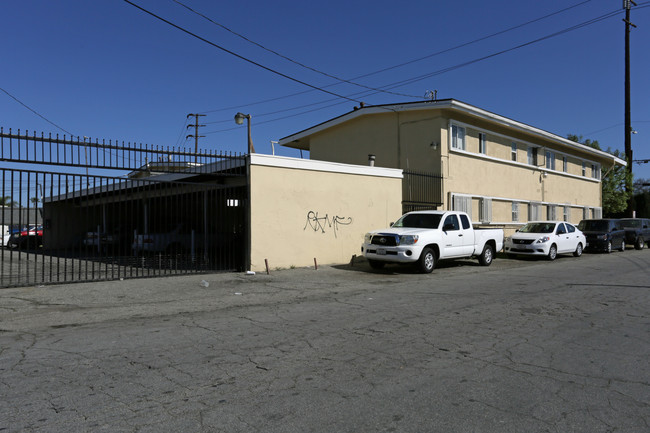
x,y
196,127
627,5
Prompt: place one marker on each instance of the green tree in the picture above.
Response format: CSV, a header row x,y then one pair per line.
x,y
7,201
616,181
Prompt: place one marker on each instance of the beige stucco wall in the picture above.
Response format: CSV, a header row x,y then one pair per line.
x,y
303,209
419,139
406,140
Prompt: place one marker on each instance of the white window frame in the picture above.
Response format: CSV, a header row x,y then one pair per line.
x,y
458,134
482,143
550,160
513,151
462,203
565,164
595,171
485,210
534,211
515,211
532,155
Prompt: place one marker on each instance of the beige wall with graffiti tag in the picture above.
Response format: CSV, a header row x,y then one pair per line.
x,y
306,209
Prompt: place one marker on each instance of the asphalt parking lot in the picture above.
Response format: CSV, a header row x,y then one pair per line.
x,y
522,345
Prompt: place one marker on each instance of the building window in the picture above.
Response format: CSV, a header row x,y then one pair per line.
x,y
595,171
534,211
565,164
584,169
532,156
585,213
598,212
463,204
551,212
485,210
550,160
457,137
482,143
567,213
515,211
513,151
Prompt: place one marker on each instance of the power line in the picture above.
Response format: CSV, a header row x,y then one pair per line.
x,y
465,44
237,55
35,112
467,63
343,80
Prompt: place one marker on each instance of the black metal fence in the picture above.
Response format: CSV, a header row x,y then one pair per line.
x,y
77,210
421,191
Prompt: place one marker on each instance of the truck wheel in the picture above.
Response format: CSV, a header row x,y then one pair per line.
x,y
639,244
427,261
486,257
622,246
608,247
552,252
376,264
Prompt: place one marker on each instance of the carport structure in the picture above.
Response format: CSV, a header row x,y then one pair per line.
x,y
113,211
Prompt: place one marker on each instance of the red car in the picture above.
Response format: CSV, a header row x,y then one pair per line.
x,y
29,237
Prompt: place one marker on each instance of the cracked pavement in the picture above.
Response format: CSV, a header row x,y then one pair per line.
x,y
521,346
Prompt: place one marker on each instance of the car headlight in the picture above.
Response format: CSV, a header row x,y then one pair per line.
x,y
408,239
508,239
543,239
367,238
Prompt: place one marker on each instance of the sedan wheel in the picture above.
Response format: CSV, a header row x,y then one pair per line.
x,y
578,251
552,252
622,246
609,247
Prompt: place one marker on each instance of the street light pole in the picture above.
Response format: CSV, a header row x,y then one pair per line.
x,y
239,119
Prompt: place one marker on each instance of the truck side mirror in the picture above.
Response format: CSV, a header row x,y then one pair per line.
x,y
391,224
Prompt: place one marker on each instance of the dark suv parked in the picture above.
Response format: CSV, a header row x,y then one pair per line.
x,y
637,230
603,234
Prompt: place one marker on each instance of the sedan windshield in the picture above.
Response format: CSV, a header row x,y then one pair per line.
x,y
419,220
538,228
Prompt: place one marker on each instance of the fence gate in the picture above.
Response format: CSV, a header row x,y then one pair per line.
x,y
421,191
86,211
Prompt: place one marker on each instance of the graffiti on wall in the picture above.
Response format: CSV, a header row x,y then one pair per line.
x,y
318,223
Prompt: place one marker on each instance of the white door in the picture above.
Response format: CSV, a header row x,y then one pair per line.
x,y
565,242
453,237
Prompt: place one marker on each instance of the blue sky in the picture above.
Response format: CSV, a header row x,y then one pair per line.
x,y
107,70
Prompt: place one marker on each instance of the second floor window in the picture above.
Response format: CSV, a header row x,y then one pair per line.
x,y
565,164
532,156
595,171
482,143
550,160
457,137
513,151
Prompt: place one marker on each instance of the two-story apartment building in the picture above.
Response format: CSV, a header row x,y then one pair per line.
x,y
501,171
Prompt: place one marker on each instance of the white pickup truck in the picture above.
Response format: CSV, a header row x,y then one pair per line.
x,y
424,237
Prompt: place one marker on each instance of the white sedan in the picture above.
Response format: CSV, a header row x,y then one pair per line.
x,y
546,238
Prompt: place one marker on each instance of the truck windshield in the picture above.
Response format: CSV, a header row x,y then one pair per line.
x,y
419,220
